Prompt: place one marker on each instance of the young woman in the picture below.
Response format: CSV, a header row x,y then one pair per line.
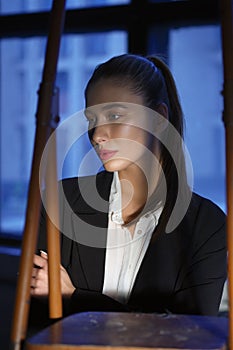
x,y
134,237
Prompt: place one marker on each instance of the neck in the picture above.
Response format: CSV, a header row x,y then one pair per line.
x,y
136,187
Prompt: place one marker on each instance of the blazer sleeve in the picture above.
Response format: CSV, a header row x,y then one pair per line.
x,y
83,299
200,284
87,300
42,239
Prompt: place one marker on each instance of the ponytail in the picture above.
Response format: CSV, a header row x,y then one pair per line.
x,y
176,114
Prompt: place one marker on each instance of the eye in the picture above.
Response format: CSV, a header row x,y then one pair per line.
x,y
91,123
113,116
91,119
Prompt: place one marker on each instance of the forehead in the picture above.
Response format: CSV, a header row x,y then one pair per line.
x,y
107,91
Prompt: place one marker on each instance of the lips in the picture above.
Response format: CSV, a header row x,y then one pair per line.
x,y
106,154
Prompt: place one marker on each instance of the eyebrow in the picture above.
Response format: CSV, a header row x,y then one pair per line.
x,y
108,106
113,105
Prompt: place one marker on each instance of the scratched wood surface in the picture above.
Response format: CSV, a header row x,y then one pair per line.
x,y
118,331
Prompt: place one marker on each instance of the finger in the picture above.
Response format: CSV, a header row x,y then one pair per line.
x,y
40,261
33,282
42,275
38,291
62,268
33,291
34,272
39,288
39,284
43,254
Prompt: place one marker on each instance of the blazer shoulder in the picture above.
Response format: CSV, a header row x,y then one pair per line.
x,y
203,217
208,221
76,187
207,209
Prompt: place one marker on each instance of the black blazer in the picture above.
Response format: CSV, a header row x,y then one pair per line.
x,y
182,272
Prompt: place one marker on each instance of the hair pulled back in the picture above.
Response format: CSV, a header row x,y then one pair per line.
x,y
150,78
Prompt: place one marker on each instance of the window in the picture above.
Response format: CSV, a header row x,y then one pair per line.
x,y
22,63
19,6
192,48
195,58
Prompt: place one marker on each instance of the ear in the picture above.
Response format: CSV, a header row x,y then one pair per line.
x,y
162,109
162,121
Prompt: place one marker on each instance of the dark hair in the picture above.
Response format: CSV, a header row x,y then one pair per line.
x,y
146,76
151,78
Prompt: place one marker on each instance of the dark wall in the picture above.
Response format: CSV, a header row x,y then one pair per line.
x,y
8,279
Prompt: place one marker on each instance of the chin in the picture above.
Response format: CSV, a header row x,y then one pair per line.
x,y
116,165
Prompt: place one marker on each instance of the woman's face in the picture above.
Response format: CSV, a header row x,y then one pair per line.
x,y
118,125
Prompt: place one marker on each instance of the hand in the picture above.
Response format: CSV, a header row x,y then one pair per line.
x,y
39,281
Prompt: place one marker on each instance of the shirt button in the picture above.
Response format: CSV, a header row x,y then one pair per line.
x,y
139,232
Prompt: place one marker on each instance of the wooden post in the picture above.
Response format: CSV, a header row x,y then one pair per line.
x,y
43,130
227,52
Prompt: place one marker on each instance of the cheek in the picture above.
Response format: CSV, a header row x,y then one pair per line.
x,y
129,132
132,142
121,131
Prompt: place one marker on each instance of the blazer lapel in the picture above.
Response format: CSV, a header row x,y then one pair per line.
x,y
90,223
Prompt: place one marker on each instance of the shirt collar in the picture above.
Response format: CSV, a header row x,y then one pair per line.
x,y
115,200
115,204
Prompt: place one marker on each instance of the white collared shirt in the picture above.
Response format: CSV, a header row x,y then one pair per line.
x,y
124,253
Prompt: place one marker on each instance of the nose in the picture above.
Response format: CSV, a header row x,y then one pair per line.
x,y
100,134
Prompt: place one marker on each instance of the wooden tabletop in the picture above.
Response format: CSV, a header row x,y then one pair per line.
x,y
118,331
